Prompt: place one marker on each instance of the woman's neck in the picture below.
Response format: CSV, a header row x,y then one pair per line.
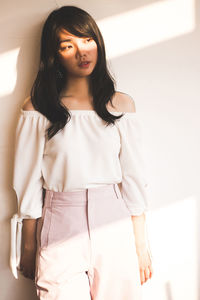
x,y
77,88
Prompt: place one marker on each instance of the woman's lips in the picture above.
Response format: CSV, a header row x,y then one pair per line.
x,y
84,64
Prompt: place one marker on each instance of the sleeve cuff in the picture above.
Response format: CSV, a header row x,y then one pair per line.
x,y
16,235
138,211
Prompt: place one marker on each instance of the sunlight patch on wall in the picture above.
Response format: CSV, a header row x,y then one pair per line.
x,y
173,236
146,26
8,74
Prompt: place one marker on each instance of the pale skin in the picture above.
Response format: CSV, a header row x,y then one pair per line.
x,y
77,96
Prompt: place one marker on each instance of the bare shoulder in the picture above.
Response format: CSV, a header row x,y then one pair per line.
x,y
123,102
27,105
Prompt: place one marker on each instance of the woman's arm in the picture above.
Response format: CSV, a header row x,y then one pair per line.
x,y
27,182
142,247
29,247
29,234
139,230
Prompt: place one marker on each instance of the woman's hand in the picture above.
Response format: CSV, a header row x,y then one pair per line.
x,y
142,247
145,263
29,248
27,264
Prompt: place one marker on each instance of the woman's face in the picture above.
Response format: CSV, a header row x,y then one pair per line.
x,y
73,50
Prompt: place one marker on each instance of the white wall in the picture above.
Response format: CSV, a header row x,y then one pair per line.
x,y
153,51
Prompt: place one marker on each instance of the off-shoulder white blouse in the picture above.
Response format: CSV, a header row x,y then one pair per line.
x,y
84,154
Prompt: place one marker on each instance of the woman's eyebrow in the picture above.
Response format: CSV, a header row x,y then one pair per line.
x,y
66,40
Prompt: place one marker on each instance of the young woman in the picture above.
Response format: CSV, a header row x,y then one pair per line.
x,y
80,230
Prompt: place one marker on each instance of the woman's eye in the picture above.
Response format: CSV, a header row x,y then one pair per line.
x,y
66,47
89,39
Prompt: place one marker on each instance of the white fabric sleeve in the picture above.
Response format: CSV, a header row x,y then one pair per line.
x,y
134,183
27,178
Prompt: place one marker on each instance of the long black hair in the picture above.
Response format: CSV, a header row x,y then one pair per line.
x,y
52,76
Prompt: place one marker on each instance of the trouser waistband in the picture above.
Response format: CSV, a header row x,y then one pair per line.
x,y
80,196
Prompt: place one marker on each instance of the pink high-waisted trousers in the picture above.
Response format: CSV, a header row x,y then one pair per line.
x,y
86,247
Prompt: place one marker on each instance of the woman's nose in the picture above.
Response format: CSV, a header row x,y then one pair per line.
x,y
81,46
